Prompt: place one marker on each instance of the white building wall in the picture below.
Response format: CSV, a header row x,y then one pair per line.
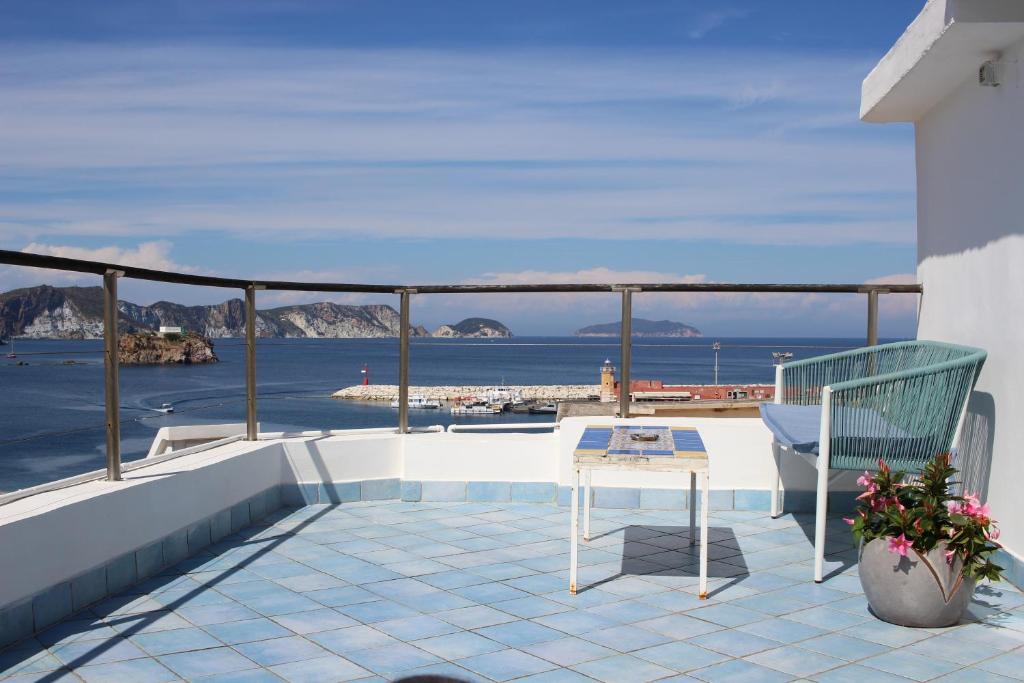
x,y
970,167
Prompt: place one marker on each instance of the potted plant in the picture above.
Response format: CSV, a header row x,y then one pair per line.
x,y
922,549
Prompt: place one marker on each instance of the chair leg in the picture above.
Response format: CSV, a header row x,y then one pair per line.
x,y
820,521
774,486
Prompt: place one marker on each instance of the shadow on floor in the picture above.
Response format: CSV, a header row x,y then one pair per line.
x,y
666,551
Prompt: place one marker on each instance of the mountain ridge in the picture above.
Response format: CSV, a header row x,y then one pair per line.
x,y
45,312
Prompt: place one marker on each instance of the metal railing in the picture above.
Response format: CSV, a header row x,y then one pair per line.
x,y
110,273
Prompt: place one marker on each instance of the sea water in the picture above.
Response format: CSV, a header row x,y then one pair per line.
x,y
52,401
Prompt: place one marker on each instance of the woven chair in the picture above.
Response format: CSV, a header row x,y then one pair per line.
x,y
903,402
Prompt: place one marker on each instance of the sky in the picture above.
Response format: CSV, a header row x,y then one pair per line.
x,y
463,141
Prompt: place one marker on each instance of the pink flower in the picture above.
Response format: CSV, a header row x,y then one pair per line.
x,y
900,545
992,534
849,520
953,507
950,554
877,504
971,504
865,479
982,511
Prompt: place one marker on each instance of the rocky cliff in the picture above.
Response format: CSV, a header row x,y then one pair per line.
x,y
473,327
147,348
77,313
641,328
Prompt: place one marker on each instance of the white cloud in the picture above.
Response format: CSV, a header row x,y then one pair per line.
x,y
274,143
709,21
153,255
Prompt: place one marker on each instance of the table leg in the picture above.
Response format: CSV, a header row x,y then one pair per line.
x,y
693,507
705,500
586,504
574,525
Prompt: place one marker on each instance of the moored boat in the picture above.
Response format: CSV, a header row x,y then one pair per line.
x,y
475,408
420,402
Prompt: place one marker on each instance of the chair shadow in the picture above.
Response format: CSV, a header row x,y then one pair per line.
x,y
666,551
805,520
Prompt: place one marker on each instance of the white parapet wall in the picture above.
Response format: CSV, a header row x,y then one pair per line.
x,y
482,457
65,548
342,458
55,536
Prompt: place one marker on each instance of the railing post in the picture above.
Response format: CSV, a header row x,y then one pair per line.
x,y
873,317
403,361
111,382
625,348
251,426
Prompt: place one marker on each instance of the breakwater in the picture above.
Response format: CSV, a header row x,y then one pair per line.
x,y
529,392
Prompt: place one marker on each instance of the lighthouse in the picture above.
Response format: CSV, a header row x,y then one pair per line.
x,y
366,375
607,382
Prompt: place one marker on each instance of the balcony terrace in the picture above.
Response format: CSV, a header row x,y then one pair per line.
x,y
231,554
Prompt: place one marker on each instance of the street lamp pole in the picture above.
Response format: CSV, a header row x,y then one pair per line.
x,y
717,346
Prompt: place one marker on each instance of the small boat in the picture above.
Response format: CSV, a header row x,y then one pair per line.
x,y
549,408
475,408
504,398
420,402
165,408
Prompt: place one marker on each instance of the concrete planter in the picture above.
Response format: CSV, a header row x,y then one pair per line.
x,y
917,590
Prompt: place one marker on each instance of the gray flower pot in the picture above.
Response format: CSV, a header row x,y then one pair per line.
x,y
916,590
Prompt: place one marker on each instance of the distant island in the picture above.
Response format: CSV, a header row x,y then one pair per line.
x,y
641,328
473,327
151,349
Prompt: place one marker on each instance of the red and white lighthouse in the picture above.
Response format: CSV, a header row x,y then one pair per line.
x,y
366,374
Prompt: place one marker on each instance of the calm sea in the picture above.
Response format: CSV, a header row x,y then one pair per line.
x,y
51,412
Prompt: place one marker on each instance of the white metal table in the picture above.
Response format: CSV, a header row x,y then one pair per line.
x,y
642,448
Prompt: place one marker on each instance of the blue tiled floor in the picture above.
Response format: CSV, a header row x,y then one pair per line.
x,y
478,591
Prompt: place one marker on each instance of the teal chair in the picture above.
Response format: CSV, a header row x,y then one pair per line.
x,y
903,402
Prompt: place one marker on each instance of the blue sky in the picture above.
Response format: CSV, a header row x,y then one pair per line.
x,y
442,142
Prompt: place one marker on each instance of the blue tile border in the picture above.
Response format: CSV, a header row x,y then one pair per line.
x,y
534,492
664,499
443,491
380,489
411,491
88,588
415,491
51,605
489,491
20,620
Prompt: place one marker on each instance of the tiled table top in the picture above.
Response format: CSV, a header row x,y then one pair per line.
x,y
375,591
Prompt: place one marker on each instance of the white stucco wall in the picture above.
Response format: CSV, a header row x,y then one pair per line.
x,y
970,174
481,456
351,457
52,537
